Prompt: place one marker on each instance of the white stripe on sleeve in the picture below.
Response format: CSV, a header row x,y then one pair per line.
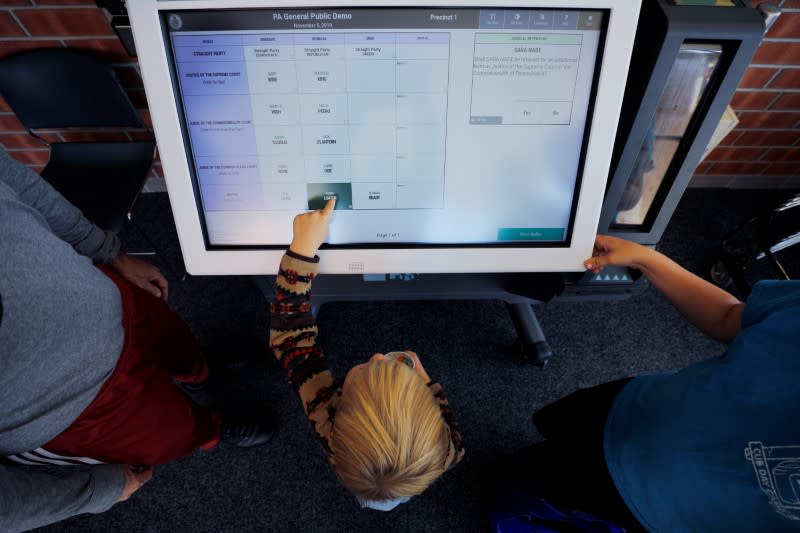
x,y
87,460
18,459
44,460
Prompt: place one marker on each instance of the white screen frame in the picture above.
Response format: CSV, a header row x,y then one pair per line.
x,y
155,69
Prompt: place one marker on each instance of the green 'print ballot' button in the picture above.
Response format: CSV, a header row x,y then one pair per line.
x,y
530,234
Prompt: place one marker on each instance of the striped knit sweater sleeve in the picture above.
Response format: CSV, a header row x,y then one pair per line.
x,y
293,339
456,451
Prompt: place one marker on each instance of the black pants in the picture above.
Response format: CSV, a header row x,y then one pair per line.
x,y
569,468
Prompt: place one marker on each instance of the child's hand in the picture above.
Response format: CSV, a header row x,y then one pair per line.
x,y
311,230
418,366
614,251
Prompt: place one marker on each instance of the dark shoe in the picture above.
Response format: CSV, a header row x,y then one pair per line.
x,y
230,364
236,355
246,435
199,393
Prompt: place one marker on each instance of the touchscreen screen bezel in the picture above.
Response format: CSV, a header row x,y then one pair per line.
x,y
200,258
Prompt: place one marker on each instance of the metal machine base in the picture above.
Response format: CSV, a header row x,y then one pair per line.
x,y
531,344
518,291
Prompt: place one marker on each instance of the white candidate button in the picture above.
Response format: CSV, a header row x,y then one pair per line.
x,y
374,195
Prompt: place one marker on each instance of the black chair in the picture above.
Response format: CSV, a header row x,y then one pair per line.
x,y
61,88
762,236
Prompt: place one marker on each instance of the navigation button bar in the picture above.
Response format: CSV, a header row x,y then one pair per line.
x,y
492,19
565,20
540,19
590,20
516,20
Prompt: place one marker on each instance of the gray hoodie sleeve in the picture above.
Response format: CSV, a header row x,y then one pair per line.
x,y
35,496
64,219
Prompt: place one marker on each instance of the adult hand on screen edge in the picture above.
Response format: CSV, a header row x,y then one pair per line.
x,y
615,251
311,230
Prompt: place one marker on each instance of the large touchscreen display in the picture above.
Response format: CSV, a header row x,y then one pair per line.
x,y
430,126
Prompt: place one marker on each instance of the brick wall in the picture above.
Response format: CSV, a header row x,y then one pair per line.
x,y
763,151
27,24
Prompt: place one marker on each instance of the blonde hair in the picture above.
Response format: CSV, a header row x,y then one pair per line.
x,y
389,439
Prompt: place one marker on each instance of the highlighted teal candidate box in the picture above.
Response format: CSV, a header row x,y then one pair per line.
x,y
530,234
320,193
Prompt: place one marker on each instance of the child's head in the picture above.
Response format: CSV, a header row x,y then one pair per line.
x,y
389,437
